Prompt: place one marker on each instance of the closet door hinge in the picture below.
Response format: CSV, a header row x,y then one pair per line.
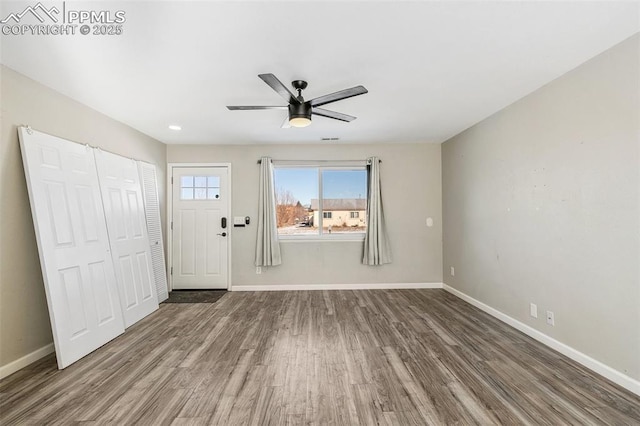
x,y
172,225
171,180
172,270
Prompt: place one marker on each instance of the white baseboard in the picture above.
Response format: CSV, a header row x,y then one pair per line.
x,y
371,286
604,370
12,367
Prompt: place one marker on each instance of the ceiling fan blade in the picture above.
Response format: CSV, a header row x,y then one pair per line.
x,y
277,85
342,94
332,114
285,123
246,108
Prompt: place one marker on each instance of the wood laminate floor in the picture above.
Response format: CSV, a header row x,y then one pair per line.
x,y
396,357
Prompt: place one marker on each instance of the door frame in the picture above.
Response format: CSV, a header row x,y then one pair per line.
x,y
170,167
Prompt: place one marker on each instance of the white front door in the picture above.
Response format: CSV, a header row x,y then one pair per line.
x,y
201,226
76,262
124,210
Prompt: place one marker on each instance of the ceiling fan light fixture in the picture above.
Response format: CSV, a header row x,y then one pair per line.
x,y
299,121
299,114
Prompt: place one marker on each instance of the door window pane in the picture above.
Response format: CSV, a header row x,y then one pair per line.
x,y
213,193
186,194
201,194
200,181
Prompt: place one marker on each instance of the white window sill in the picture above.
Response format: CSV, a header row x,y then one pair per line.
x,y
321,239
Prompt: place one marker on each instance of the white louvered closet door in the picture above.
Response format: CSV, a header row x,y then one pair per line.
x,y
149,182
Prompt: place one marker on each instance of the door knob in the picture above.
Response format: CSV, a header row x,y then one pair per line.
x,y
224,234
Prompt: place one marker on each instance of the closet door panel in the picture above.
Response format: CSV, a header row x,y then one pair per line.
x,y
77,267
126,223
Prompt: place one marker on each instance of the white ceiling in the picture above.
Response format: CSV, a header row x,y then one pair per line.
x,y
432,68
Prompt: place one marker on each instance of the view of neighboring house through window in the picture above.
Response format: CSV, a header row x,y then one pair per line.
x,y
321,201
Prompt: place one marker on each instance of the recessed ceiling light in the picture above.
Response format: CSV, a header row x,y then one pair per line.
x,y
175,127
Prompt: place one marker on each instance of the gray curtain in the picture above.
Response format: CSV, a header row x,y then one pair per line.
x,y
267,245
377,250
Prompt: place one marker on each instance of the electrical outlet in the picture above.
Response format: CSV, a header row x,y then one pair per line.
x,y
533,310
453,271
258,270
550,318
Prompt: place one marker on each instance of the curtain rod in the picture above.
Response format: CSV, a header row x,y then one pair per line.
x,y
317,161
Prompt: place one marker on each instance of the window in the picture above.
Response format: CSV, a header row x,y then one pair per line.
x,y
321,201
199,187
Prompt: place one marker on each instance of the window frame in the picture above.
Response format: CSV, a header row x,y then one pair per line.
x,y
194,187
324,166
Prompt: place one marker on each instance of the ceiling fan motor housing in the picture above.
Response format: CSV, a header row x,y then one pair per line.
x,y
302,110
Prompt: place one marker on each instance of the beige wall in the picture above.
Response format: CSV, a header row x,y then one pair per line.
x,y
24,319
411,182
541,205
